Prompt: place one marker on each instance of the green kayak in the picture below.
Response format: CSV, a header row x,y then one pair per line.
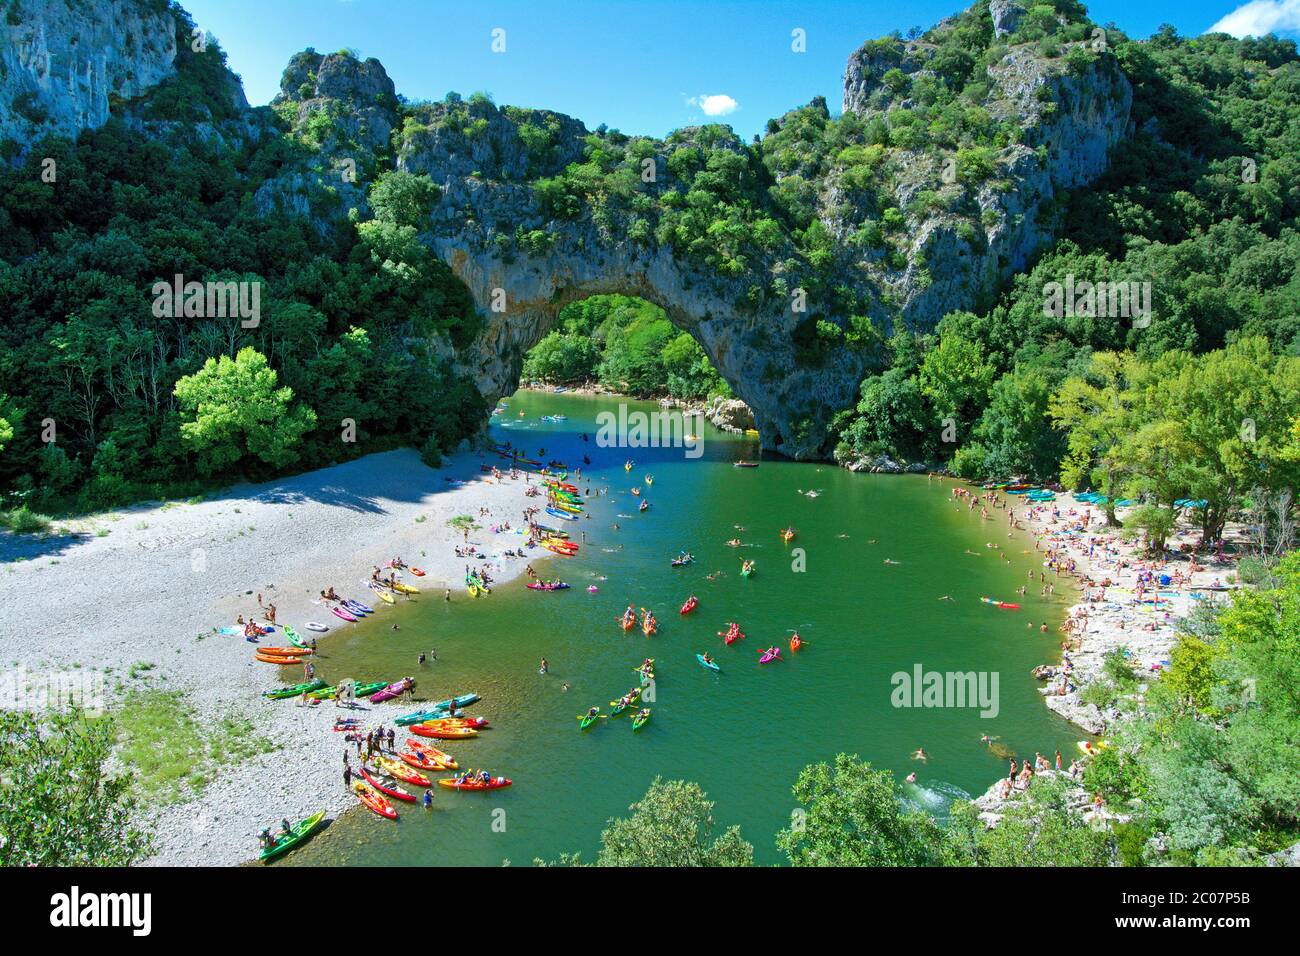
x,y
292,636
299,833
639,720
294,691
362,690
587,720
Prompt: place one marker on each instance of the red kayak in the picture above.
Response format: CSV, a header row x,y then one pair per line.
x,y
796,642
690,605
390,787
731,635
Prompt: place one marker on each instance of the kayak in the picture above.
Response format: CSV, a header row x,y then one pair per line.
x,y
690,605
399,771
444,733
548,586
394,689
292,637
301,831
360,690
474,722
769,655
496,783
281,659
437,710
381,593
374,800
296,690
339,612
588,719
387,785
640,719
796,642
556,549
284,651
356,607
787,535
711,665
401,588
744,464
420,760
746,570
441,757
619,706
560,514
1002,604
731,634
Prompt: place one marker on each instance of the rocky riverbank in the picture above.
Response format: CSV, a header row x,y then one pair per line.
x,y
147,589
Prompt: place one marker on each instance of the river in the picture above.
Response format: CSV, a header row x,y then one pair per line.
x,y
743,734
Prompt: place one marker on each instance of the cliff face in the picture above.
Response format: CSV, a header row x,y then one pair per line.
x,y
62,64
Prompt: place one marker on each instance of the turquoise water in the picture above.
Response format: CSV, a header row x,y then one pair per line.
x,y
743,734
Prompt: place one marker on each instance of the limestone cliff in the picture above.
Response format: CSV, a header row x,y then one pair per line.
x,y
63,64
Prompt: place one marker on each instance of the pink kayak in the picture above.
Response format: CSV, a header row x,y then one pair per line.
x,y
392,690
339,612
769,655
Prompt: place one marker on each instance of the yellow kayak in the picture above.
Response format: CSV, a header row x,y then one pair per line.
x,y
404,588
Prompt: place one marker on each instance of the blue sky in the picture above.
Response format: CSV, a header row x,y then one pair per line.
x,y
642,66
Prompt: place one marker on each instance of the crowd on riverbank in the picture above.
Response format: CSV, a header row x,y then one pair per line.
x,y
1129,602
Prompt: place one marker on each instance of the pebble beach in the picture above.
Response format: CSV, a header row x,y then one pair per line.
x,y
179,571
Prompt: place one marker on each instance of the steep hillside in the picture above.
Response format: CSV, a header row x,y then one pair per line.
x,y
425,246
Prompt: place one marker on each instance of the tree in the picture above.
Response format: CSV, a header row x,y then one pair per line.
x,y
1040,830
852,816
956,378
60,803
1096,413
233,408
671,826
403,198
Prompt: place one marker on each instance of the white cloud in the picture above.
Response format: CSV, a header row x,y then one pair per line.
x,y
1260,17
714,104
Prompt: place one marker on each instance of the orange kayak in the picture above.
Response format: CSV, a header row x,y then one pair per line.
x,y
402,773
423,761
443,733
282,659
432,753
372,799
284,651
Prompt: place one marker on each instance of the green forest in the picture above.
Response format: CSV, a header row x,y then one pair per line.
x,y
102,402
626,344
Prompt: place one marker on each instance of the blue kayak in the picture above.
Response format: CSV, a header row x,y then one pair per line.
x,y
437,710
711,665
561,514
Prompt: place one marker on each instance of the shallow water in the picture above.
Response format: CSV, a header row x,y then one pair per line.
x,y
743,734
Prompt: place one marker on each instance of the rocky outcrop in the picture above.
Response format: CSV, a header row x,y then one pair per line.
x,y
1006,16
63,65
730,415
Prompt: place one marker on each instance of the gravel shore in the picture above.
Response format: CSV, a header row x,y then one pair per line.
x,y
142,585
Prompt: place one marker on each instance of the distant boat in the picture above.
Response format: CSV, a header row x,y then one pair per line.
x,y
744,464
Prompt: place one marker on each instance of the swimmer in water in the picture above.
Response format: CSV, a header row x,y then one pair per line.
x,y
946,597
911,777
920,754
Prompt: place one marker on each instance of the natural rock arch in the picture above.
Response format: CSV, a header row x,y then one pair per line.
x,y
753,353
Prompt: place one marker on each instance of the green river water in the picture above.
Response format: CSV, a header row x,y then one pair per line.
x,y
744,734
